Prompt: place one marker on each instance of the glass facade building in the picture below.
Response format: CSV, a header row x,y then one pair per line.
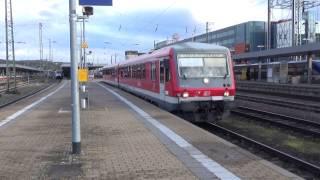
x,y
244,37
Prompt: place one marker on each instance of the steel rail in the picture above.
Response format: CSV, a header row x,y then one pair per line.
x,y
291,104
270,150
280,120
25,96
19,84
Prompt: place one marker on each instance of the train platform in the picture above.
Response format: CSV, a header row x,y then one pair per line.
x,y
123,137
305,91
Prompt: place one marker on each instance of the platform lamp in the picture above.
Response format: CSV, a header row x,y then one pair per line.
x,y
87,11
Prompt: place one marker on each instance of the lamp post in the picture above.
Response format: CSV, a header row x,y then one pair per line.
x,y
260,47
309,62
82,20
107,43
76,137
52,50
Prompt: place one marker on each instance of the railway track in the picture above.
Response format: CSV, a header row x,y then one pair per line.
x,y
299,163
25,96
295,104
306,127
19,84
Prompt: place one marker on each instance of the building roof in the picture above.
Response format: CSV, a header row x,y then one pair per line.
x,y
18,66
280,52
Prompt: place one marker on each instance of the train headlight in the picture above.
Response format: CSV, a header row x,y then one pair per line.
x,y
226,93
185,94
206,80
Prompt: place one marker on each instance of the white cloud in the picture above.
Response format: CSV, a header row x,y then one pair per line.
x,y
136,26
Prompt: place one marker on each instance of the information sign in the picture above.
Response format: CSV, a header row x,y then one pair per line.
x,y
83,75
95,2
84,45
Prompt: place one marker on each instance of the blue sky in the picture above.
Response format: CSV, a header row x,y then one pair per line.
x,y
127,25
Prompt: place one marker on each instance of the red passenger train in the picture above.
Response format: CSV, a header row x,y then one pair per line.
x,y
192,78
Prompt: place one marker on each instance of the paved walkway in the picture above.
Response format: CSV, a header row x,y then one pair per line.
x,y
118,142
115,145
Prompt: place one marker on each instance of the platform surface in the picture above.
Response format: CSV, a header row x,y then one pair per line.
x,y
123,137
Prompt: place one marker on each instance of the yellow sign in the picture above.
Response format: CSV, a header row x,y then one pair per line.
x,y
84,45
83,75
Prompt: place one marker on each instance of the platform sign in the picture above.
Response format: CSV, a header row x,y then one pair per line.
x,y
83,75
84,45
95,2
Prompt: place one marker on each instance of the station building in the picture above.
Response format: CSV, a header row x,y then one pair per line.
x,y
251,36
240,38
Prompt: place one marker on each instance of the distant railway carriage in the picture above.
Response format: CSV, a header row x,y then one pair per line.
x,y
295,69
58,75
193,78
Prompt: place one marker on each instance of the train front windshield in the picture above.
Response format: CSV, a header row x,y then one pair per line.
x,y
202,65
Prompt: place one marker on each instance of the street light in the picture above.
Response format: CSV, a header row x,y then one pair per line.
x,y
107,43
51,49
260,46
307,39
53,42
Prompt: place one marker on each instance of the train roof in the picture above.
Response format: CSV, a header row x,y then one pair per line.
x,y
181,47
187,46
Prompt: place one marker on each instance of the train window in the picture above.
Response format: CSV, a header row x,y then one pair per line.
x,y
143,71
127,72
153,71
196,67
162,69
167,71
139,71
135,72
215,66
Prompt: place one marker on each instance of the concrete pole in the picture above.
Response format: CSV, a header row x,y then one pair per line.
x,y
293,26
259,73
7,47
268,43
76,137
81,41
84,40
13,51
309,59
40,45
207,32
50,58
83,99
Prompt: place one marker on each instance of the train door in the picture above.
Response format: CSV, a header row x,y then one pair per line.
x,y
162,80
